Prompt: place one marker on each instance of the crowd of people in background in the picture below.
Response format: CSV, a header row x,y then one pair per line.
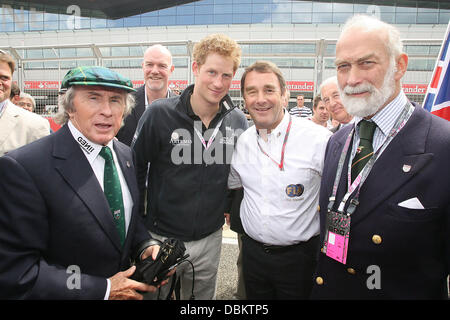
x,y
344,200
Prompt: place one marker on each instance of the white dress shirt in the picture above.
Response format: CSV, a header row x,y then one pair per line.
x,y
98,166
270,213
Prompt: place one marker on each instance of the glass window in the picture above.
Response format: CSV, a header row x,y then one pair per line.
x,y
390,9
167,20
301,18
426,17
245,48
387,17
322,18
51,64
98,23
329,64
116,23
260,18
120,51
69,64
260,8
185,20
223,9
204,10
360,8
241,18
330,50
417,49
444,16
180,62
149,21
405,18
420,65
204,19
281,7
34,65
282,63
244,8
305,63
322,7
260,48
304,48
51,25
49,53
185,10
132,22
281,18
168,11
85,23
33,54
177,50
434,50
136,51
342,7
302,6
341,17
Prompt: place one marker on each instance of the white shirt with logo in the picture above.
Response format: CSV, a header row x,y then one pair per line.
x,y
280,207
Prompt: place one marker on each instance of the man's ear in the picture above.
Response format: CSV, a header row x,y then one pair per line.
x,y
195,68
402,66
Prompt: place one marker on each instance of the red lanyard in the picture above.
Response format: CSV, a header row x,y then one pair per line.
x,y
286,135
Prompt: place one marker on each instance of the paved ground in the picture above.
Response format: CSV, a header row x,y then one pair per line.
x,y
227,275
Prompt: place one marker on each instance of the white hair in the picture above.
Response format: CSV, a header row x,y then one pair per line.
x,y
28,96
65,105
394,44
326,82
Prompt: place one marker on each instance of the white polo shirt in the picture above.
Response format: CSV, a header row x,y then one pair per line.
x,y
280,207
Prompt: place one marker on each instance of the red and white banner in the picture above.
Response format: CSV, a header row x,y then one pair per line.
x,y
303,86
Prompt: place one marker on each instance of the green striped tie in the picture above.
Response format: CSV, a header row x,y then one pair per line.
x,y
365,148
113,192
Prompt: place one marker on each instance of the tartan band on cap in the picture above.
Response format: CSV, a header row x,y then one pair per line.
x,y
96,76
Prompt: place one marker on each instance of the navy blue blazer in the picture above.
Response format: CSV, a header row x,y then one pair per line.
x,y
53,215
410,247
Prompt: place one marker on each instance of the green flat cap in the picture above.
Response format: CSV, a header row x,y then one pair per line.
x,y
96,76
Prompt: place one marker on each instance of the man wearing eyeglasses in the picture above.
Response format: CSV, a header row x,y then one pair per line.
x,y
18,127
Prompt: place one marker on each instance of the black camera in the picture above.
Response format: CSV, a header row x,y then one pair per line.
x,y
153,272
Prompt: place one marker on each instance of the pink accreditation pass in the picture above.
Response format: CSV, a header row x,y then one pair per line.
x,y
337,236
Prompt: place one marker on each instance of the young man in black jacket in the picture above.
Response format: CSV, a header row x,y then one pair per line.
x,y
185,143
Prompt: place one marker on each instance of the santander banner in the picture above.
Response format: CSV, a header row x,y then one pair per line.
x,y
303,86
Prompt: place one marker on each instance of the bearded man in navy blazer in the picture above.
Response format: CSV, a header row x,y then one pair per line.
x,y
58,238
392,240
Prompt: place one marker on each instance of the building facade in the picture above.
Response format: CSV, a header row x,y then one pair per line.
x,y
299,36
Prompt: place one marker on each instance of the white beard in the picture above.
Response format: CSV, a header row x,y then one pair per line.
x,y
364,107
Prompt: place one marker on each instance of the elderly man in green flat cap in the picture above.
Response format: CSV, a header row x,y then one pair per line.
x,y
69,226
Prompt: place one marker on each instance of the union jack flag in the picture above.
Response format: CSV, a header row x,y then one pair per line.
x,y
437,98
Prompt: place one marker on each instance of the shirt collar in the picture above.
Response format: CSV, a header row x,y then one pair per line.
x,y
90,149
386,117
145,96
3,106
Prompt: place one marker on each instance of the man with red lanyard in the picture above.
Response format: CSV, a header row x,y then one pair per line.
x,y
279,164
